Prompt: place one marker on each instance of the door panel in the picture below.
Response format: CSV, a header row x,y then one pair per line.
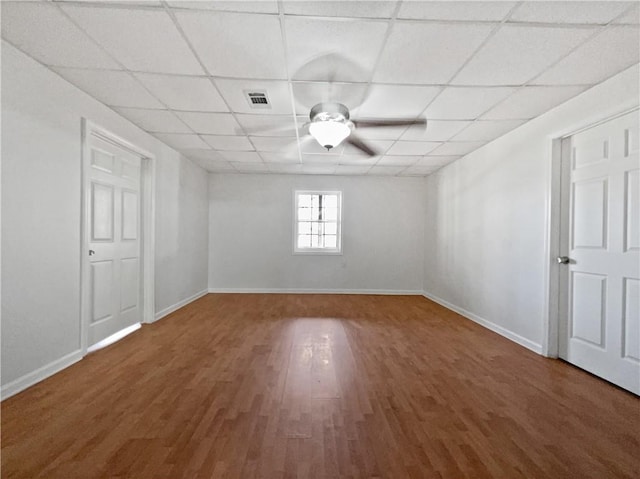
x,y
590,214
101,212
632,210
130,213
114,238
129,268
600,327
588,307
101,160
631,325
101,290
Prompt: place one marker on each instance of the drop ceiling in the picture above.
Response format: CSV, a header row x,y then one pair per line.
x,y
181,69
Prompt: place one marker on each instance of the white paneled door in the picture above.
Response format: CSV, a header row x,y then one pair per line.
x,y
600,300
113,221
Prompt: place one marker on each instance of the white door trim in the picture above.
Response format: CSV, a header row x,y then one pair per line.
x,y
557,182
148,225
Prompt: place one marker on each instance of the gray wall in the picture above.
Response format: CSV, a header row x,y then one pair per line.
x,y
251,236
487,217
41,159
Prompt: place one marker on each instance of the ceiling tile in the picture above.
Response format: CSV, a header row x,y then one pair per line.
x,y
289,156
318,169
142,40
309,94
515,54
398,160
285,168
201,154
631,17
412,147
568,12
111,87
342,8
385,170
264,143
358,42
487,130
351,170
596,60
437,161
157,121
465,103
379,146
58,42
184,93
227,142
269,125
404,60
215,166
249,6
236,44
234,92
358,160
241,156
320,159
531,101
436,130
211,123
467,11
182,141
458,148
251,167
128,3
396,101
418,171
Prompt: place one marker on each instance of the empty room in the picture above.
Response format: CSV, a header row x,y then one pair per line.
x,y
320,239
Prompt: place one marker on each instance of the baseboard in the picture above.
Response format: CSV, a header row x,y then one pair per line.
x,y
174,307
407,292
29,379
536,348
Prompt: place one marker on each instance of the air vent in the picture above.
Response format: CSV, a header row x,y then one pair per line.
x,y
257,98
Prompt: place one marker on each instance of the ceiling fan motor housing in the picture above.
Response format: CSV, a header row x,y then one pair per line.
x,y
333,116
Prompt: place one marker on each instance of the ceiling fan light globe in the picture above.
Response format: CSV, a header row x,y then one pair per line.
x,y
329,134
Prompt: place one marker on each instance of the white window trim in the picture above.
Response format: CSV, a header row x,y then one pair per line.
x,y
316,251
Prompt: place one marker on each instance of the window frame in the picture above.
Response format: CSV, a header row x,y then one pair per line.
x,y
317,251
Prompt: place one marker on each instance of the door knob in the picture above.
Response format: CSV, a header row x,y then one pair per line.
x,y
563,260
91,252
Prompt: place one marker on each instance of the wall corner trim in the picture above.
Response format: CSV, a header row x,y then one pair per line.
x,y
516,338
174,307
29,379
402,292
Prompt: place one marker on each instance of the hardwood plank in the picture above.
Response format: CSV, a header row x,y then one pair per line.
x,y
319,386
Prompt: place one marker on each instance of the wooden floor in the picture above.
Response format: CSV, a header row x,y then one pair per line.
x,y
319,386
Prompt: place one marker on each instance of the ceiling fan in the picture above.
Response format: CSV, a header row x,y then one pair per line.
x,y
330,125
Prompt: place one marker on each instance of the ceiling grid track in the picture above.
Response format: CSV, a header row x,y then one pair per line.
x,y
115,60
398,42
210,78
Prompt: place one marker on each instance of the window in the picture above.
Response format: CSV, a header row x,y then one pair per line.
x,y
317,222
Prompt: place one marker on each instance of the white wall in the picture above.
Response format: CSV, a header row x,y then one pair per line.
x,y
487,216
251,240
41,159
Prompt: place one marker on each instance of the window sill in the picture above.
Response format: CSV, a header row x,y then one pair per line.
x,y
316,252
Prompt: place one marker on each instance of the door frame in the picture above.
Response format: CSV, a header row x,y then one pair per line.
x,y
557,213
147,226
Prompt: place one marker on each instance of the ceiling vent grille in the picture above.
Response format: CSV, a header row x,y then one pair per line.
x,y
257,98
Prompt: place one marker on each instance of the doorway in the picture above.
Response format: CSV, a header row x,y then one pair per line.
x,y
598,251
117,237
